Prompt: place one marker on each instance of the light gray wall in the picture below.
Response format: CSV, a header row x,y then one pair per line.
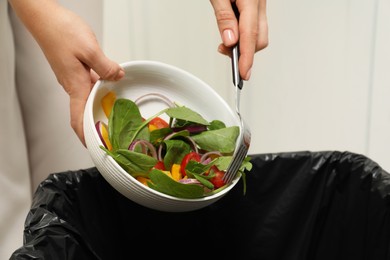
x,y
322,84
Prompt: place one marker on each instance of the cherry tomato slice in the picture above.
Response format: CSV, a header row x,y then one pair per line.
x,y
160,166
217,179
190,156
157,123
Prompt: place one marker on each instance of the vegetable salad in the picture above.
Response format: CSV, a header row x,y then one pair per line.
x,y
185,156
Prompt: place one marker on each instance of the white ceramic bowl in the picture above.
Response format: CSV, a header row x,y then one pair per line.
x,y
143,77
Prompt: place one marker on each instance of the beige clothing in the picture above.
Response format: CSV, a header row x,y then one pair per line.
x,y
35,134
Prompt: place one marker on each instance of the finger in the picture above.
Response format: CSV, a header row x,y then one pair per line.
x,y
94,77
263,40
249,31
225,50
78,88
77,106
103,66
226,21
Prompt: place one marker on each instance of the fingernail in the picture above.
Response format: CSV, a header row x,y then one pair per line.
x,y
248,74
120,74
228,37
220,50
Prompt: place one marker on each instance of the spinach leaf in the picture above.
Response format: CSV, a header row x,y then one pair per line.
x,y
223,162
132,162
216,124
124,121
223,140
182,133
175,151
158,135
165,184
184,113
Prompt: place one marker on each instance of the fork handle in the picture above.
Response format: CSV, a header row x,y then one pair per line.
x,y
237,80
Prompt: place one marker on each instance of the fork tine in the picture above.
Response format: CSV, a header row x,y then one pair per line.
x,y
232,173
229,176
235,164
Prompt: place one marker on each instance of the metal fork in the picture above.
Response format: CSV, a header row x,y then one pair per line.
x,y
244,138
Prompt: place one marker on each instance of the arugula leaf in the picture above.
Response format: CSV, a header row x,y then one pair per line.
x,y
165,184
197,170
246,165
194,167
204,181
223,140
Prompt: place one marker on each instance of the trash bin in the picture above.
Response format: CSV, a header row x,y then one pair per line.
x,y
297,206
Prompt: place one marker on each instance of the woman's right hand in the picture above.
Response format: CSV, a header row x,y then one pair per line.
x,y
251,29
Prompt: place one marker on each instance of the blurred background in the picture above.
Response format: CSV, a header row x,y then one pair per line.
x,y
321,84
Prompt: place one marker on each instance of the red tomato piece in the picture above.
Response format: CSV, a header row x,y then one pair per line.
x,y
190,156
217,179
160,166
157,123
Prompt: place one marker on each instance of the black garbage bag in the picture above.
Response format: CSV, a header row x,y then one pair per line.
x,y
297,206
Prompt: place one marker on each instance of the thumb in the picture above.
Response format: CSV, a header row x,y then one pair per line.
x,y
104,67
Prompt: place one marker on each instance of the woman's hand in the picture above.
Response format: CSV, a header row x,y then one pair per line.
x,y
251,29
71,49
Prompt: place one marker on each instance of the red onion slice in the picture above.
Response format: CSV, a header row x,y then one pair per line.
x,y
207,156
189,181
145,146
150,96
